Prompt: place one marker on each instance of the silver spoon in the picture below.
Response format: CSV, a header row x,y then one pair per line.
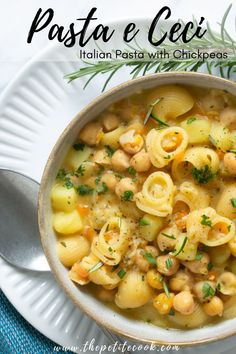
x,y
19,234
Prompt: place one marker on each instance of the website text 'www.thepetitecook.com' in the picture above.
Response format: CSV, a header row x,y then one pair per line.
x,y
117,347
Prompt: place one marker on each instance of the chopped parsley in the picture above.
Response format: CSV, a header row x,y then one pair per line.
x,y
102,188
68,184
79,146
172,237
96,267
233,202
61,174
169,263
128,195
232,150
84,189
206,220
207,290
121,273
110,249
172,312
97,180
132,171
109,150
203,175
191,120
80,171
149,257
143,222
181,247
199,256
210,266
63,243
218,287
114,267
167,157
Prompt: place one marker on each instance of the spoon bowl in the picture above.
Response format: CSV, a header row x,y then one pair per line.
x,y
19,234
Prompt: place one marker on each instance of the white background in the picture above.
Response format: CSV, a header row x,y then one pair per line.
x,y
16,17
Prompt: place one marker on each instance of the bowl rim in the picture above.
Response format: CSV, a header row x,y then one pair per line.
x,y
41,196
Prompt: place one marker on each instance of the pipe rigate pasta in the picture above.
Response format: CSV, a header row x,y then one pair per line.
x,y
156,197
165,144
209,228
112,241
196,157
192,195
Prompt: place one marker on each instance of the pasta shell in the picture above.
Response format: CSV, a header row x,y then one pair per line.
x,y
176,100
196,319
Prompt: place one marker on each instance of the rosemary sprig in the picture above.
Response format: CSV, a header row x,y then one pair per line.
x,y
211,42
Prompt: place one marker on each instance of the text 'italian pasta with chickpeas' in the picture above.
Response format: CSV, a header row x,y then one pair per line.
x,y
144,206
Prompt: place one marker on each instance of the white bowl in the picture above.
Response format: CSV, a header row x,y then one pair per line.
x,y
118,323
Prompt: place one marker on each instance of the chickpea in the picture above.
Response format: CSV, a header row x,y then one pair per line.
x,y
167,265
110,180
110,122
141,161
204,290
125,184
226,283
131,142
228,117
141,261
163,303
230,163
100,157
91,134
120,161
166,239
214,307
181,281
153,250
154,279
183,302
198,266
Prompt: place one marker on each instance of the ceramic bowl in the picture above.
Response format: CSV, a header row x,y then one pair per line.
x,y
118,323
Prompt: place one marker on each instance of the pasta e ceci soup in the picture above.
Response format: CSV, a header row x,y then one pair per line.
x,y
144,206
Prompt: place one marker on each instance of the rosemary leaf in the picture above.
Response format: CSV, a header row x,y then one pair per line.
x,y
96,267
149,113
181,247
